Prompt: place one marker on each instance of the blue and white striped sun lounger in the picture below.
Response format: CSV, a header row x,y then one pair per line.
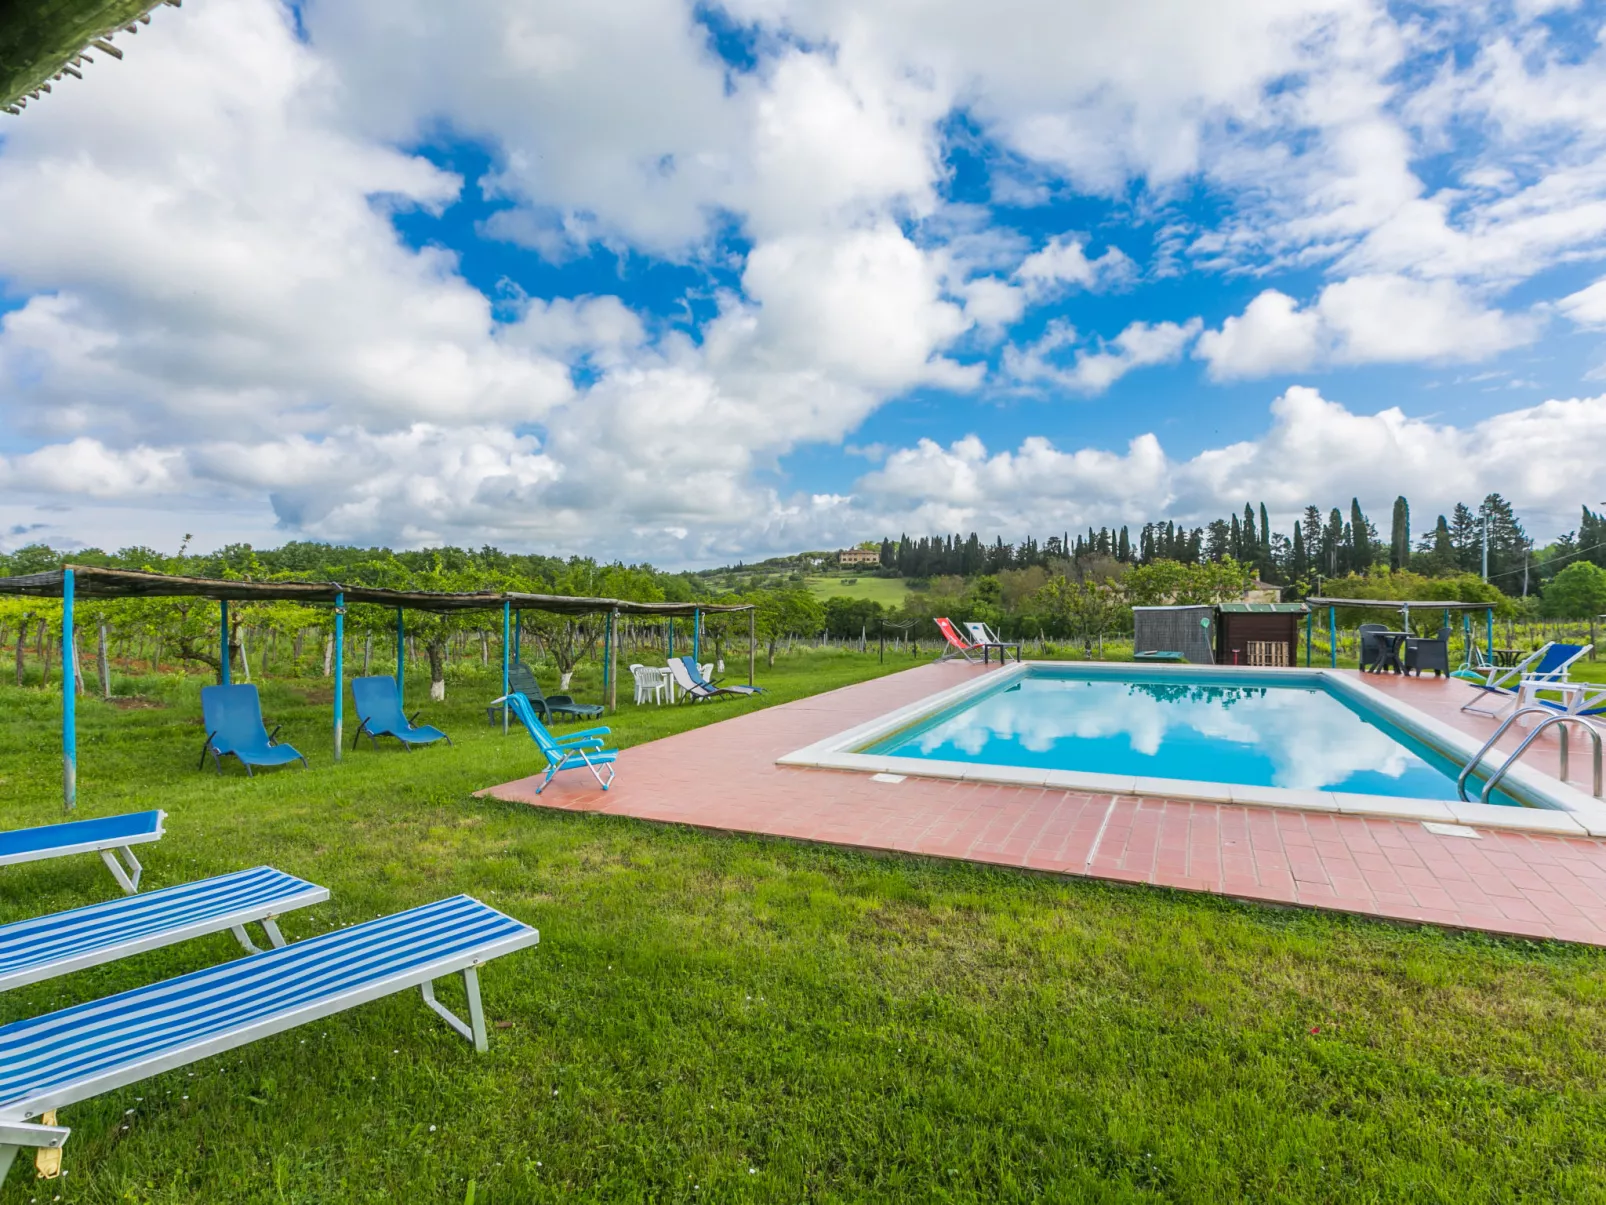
x,y
72,1055
46,946
103,836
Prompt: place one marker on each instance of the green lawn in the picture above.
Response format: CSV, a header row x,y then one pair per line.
x,y
888,591
714,1018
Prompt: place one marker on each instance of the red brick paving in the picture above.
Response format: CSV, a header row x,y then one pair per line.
x,y
723,776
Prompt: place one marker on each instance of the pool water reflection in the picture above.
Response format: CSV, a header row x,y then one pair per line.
x,y
1297,735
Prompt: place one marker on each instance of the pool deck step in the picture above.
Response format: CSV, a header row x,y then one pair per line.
x,y
1526,882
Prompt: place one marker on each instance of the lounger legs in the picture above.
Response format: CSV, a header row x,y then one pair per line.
x,y
474,1031
269,926
128,879
14,1135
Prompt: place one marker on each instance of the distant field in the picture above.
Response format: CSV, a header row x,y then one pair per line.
x,y
888,591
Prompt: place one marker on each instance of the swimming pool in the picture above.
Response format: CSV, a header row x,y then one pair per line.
x,y
1298,735
1309,738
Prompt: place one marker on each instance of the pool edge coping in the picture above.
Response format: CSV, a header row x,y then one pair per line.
x,y
1571,812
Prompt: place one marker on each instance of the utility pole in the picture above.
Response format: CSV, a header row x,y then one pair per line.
x,y
1485,545
1526,549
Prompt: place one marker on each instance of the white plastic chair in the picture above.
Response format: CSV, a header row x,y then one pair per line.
x,y
650,681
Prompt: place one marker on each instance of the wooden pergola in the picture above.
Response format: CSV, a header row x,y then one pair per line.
x,y
73,582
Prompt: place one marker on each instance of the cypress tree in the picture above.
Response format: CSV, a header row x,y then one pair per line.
x,y
1298,565
1400,535
1359,536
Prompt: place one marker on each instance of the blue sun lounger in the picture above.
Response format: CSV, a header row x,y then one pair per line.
x,y
578,750
77,1053
233,718
1548,664
47,946
380,711
108,836
695,673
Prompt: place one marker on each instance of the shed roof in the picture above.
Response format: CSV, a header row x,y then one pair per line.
x,y
1255,608
93,581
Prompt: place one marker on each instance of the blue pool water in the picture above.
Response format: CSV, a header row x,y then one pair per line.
x,y
1201,727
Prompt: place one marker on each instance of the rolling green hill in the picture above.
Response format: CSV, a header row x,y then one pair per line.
x,y
888,591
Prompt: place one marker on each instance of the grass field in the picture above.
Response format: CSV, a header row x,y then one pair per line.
x,y
888,591
713,1018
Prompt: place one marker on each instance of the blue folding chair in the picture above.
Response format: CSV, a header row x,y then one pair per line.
x,y
577,750
234,727
380,710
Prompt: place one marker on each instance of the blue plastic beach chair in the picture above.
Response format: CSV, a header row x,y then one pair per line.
x,y
380,710
107,836
47,946
578,750
695,673
233,717
74,1054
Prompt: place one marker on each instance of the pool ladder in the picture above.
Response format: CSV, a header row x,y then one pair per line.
x,y
1552,717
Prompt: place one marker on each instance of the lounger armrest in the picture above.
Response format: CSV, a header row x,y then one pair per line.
x,y
412,720
584,734
273,734
561,700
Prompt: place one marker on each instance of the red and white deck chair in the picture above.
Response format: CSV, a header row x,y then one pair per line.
x,y
958,646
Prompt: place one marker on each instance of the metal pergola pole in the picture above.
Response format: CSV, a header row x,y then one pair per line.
x,y
752,643
401,654
1332,635
69,701
1489,633
518,634
223,642
340,666
1307,639
507,631
696,635
671,637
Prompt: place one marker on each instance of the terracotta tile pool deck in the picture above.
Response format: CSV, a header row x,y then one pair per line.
x,y
723,776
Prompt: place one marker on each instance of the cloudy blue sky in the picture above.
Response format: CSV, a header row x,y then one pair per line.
x,y
696,282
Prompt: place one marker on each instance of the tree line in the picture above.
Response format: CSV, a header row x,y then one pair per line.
x,y
1320,545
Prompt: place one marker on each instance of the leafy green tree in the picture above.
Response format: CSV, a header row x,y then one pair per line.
x,y
780,613
1577,592
1167,583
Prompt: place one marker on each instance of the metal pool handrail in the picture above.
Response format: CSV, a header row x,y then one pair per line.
x,y
1551,718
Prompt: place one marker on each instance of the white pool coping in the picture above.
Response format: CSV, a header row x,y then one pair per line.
x,y
1558,807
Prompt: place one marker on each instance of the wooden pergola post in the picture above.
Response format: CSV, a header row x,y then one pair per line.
x,y
612,666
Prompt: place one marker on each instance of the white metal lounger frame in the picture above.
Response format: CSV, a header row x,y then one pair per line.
x,y
16,1133
127,879
234,921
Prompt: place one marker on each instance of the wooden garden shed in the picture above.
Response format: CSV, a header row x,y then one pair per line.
x,y
1258,633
